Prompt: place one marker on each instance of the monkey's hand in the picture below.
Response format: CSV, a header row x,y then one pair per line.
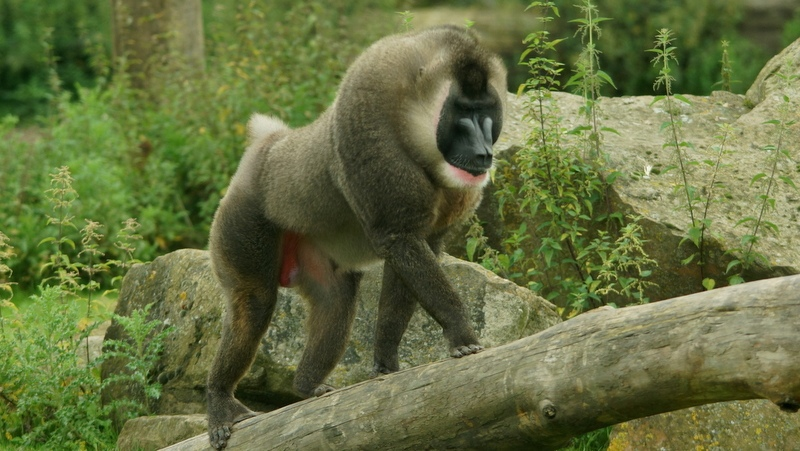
x,y
223,412
461,351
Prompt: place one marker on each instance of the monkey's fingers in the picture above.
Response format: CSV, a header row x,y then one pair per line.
x,y
219,436
461,351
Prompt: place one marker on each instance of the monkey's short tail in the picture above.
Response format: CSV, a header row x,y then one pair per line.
x,y
261,126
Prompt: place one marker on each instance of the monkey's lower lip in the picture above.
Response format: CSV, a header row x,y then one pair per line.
x,y
467,176
475,172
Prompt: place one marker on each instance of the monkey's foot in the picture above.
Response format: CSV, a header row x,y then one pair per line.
x,y
322,389
223,412
379,369
311,389
461,351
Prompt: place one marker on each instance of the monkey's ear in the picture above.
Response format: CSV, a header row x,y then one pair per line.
x,y
260,126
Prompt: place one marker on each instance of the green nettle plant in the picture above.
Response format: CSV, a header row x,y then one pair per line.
x,y
582,256
726,69
141,353
714,191
49,397
776,153
405,20
665,54
61,197
6,286
698,201
588,80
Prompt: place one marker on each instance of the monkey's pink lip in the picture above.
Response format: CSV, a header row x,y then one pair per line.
x,y
465,177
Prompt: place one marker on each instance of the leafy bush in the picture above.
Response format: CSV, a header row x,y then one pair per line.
x,y
700,26
50,399
70,30
568,245
49,395
49,385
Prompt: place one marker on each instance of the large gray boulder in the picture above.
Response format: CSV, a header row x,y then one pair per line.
x,y
751,425
665,218
187,297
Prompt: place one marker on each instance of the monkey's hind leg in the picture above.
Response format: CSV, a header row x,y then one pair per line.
x,y
332,310
244,249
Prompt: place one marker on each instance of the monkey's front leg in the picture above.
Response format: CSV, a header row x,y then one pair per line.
x,y
412,259
395,309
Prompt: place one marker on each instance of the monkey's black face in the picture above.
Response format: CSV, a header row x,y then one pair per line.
x,y
466,131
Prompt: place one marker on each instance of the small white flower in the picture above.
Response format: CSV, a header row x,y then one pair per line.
x,y
647,169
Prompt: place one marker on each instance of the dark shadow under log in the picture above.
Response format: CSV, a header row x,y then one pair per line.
x,y
601,368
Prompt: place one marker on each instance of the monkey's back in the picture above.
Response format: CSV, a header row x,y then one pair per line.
x,y
295,172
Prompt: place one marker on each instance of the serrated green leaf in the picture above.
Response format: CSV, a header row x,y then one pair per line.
x,y
735,280
606,78
770,225
682,99
524,54
787,180
757,177
695,234
472,245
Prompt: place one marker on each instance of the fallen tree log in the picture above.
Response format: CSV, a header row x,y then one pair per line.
x,y
598,369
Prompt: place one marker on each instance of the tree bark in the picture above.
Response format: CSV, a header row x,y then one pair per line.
x,y
158,35
598,369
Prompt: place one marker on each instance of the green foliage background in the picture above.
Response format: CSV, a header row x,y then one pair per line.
x,y
24,83
167,161
699,27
